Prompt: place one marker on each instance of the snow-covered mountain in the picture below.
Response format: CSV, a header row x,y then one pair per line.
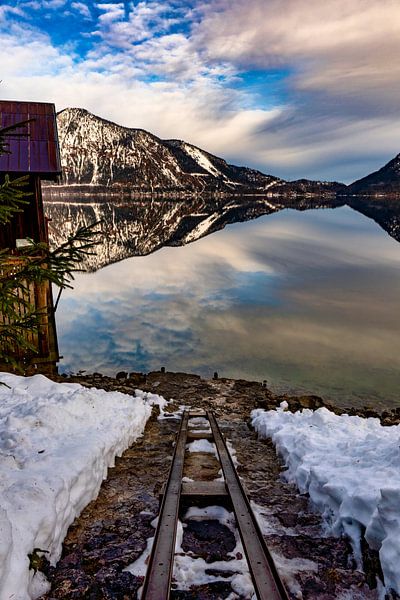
x,y
98,152
103,155
384,181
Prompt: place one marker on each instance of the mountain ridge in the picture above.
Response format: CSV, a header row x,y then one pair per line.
x,y
385,180
98,152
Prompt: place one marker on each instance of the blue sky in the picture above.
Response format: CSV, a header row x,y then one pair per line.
x,y
296,88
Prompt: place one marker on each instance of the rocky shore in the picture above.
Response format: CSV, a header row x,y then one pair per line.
x,y
234,397
113,530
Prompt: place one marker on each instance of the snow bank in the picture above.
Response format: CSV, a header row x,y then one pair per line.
x,y
56,443
350,466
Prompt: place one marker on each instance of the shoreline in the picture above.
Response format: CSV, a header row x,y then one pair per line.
x,y
116,525
232,401
257,395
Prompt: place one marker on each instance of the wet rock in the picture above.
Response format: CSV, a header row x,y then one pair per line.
x,y
371,564
136,379
209,539
312,587
116,586
218,590
323,551
201,466
219,573
312,402
370,412
121,375
288,519
73,584
38,561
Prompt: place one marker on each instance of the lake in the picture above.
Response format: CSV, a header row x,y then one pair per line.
x,y
308,301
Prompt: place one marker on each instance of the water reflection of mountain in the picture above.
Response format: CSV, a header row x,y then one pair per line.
x,y
137,228
384,211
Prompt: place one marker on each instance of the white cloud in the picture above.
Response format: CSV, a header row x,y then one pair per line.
x,y
44,4
267,34
10,10
340,117
143,38
83,9
35,57
344,91
53,4
200,111
146,18
111,12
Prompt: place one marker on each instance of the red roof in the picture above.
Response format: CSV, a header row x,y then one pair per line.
x,y
37,150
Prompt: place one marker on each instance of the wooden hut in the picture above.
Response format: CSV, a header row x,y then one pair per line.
x,y
32,150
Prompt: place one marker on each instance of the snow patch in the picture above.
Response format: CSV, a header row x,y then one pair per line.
x,y
289,567
217,513
198,422
153,400
57,441
201,159
350,466
190,570
232,452
172,415
202,446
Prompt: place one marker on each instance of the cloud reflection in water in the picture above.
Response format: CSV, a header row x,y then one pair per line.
x,y
307,300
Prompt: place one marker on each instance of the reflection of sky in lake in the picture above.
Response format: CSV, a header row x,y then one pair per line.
x,y
307,300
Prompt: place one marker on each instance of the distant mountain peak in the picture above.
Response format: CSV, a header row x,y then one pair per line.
x,y
98,152
384,181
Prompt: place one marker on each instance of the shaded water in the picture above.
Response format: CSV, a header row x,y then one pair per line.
x,y
307,300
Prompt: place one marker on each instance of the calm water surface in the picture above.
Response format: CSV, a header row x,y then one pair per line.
x,y
307,300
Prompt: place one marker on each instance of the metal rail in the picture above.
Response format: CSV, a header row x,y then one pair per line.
x,y
266,580
159,572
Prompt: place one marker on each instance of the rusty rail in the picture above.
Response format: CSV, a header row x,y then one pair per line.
x,y
266,580
159,572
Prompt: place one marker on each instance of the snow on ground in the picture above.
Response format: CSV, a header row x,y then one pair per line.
x,y
350,466
199,423
201,159
202,446
56,443
232,452
190,570
164,415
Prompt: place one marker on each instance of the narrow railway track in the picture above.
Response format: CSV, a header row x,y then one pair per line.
x,y
228,493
